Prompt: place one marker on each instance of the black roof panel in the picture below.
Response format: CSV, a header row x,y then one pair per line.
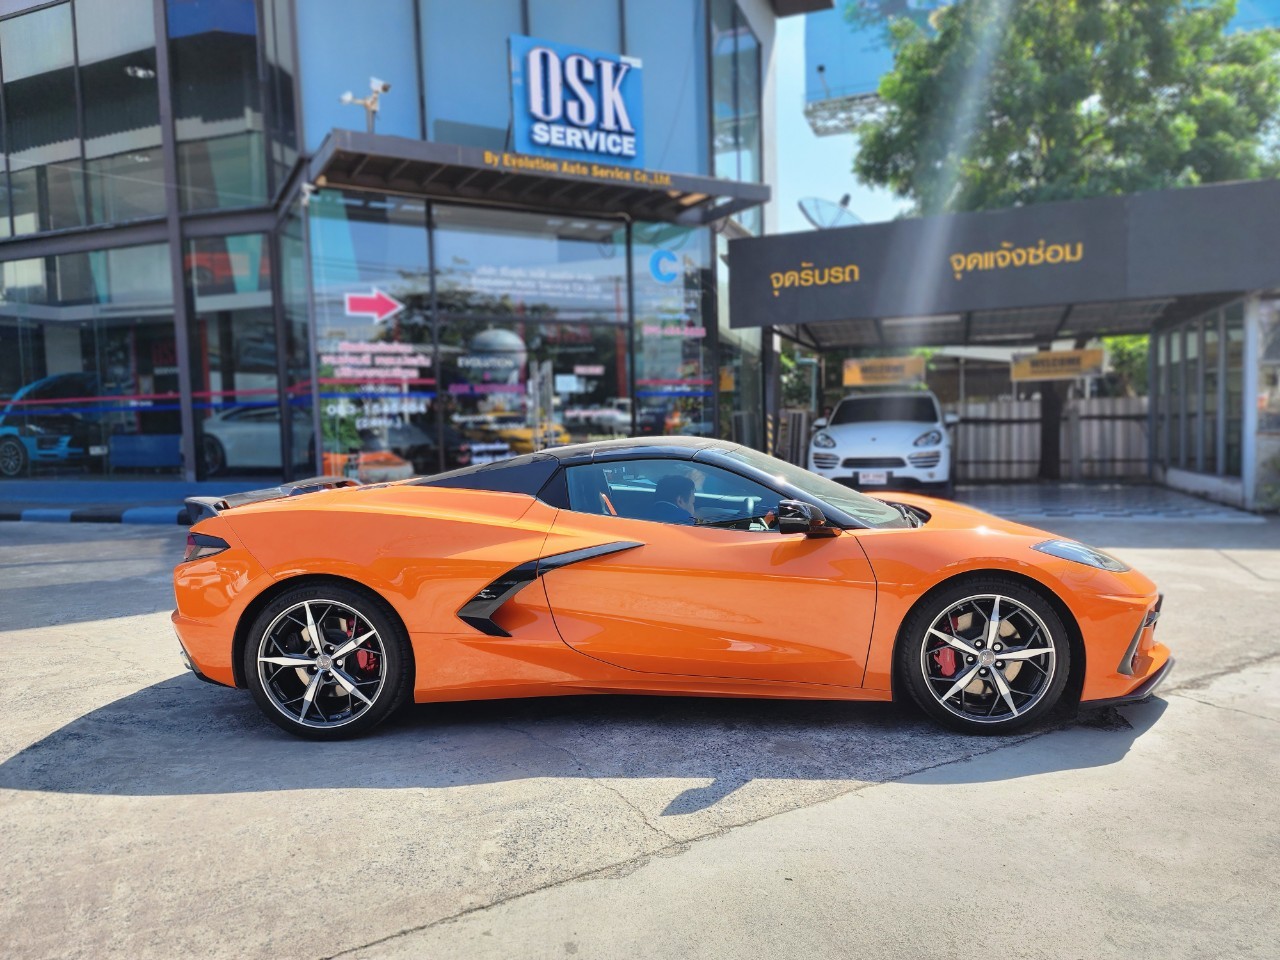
x,y
529,472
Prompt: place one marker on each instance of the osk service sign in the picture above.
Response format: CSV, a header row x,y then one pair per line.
x,y
576,104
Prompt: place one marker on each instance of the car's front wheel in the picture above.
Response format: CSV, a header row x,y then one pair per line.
x,y
987,655
327,662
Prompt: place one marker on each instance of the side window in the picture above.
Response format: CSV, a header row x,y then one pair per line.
x,y
671,491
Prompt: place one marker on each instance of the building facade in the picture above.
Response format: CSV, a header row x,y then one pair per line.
x,y
275,237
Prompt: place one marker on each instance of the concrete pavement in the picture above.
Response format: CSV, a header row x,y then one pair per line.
x,y
143,813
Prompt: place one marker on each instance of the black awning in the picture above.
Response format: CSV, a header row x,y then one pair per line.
x,y
1114,264
367,161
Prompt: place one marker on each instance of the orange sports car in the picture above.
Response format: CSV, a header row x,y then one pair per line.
x,y
668,565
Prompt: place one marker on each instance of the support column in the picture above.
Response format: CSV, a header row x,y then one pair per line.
x,y
181,311
1249,424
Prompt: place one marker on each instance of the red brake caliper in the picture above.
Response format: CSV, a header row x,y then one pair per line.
x,y
946,657
366,660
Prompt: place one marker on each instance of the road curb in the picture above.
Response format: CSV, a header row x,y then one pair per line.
x,y
152,515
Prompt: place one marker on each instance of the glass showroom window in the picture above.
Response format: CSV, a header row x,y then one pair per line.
x,y
88,365
458,43
374,358
675,371
235,383
1233,322
282,71
675,81
1212,354
582,23
342,48
37,56
218,121
533,329
735,65
1198,392
123,159
295,295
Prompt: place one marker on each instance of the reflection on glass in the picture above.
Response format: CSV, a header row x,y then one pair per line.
x,y
1212,409
675,76
281,62
735,65
533,329
1193,385
235,388
294,291
580,23
375,364
218,114
1234,426
88,369
46,177
121,109
1177,398
458,41
341,50
675,386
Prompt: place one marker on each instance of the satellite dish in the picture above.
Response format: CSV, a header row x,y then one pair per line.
x,y
823,213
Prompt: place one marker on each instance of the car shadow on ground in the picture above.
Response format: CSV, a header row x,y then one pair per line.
x,y
182,737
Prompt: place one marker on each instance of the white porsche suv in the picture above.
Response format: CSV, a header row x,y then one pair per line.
x,y
890,441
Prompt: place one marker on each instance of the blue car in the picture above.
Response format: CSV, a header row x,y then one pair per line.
x,y
35,431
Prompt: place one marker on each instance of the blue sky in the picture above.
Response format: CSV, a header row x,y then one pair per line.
x,y
809,165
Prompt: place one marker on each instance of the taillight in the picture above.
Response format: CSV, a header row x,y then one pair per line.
x,y
201,545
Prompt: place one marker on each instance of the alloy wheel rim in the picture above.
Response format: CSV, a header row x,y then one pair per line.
x,y
10,458
988,659
322,663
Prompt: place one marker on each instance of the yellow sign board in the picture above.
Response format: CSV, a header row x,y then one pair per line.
x,y
883,371
1057,365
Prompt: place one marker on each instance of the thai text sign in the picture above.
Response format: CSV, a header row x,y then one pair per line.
x,y
883,371
575,104
1057,365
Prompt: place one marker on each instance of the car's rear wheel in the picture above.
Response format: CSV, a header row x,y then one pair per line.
x,y
13,457
327,662
215,457
987,655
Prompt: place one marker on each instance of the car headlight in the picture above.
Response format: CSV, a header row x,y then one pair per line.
x,y
930,439
824,440
1079,553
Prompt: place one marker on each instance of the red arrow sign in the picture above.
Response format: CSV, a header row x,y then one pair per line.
x,y
376,304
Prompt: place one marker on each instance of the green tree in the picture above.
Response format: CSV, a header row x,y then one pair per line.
x,y
1008,102
1129,359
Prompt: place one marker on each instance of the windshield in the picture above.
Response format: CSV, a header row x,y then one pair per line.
x,y
919,409
871,512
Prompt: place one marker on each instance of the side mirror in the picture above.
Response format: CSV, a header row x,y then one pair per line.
x,y
951,419
818,424
795,516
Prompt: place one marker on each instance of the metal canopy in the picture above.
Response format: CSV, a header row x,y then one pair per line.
x,y
366,161
1015,327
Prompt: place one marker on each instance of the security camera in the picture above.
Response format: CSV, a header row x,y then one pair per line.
x,y
347,98
378,86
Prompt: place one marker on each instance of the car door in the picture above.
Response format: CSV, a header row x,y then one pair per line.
x,y
725,597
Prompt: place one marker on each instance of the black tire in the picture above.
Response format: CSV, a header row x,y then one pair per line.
x,y
214,456
1031,637
13,458
385,674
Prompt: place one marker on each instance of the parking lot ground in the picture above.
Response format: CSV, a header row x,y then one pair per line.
x,y
145,814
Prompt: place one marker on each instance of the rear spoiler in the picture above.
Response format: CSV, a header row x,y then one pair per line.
x,y
201,508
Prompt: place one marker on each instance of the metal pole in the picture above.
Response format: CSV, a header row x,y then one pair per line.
x,y
631,336
177,275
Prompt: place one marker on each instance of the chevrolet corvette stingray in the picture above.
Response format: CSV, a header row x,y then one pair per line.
x,y
666,565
